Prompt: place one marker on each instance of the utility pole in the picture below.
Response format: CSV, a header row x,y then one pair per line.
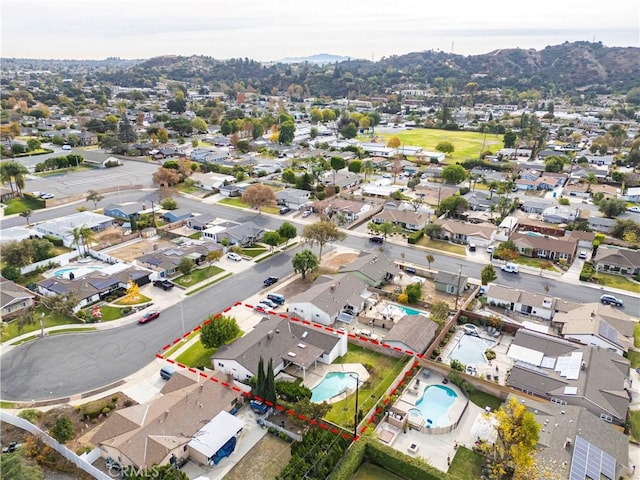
x,y
458,289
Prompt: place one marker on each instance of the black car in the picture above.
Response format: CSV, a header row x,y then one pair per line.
x,y
270,281
376,239
164,284
12,447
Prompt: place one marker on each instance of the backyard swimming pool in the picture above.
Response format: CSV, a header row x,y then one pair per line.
x,y
470,349
333,383
77,271
397,311
434,405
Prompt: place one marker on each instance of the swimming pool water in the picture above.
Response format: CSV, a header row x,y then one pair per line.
x,y
434,405
470,349
333,384
62,271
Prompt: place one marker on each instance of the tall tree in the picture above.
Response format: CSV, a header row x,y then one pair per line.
x,y
305,261
95,197
219,331
270,384
272,239
26,214
337,163
287,231
518,434
258,196
322,233
126,134
454,174
488,274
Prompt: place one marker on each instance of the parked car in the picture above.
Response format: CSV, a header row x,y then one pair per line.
x,y
611,300
634,209
234,256
472,247
46,196
376,239
163,283
490,249
167,372
510,268
284,210
582,255
306,213
260,308
147,317
482,291
270,281
268,303
368,334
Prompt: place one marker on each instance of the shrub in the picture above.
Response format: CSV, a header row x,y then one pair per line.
x,y
415,237
30,415
11,273
457,365
292,392
55,240
587,272
490,354
62,431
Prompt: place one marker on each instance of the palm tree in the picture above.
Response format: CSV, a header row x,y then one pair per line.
x,y
26,214
367,167
77,239
590,179
88,236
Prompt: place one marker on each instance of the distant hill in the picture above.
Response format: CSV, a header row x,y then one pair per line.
x,y
320,58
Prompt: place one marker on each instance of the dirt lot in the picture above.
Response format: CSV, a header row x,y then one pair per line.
x,y
129,252
265,460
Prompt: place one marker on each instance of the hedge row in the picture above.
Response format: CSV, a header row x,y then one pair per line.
x,y
415,237
54,240
411,468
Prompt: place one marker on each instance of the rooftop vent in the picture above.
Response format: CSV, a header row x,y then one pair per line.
x,y
302,345
291,354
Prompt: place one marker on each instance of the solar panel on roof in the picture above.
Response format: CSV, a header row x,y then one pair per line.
x,y
590,461
607,331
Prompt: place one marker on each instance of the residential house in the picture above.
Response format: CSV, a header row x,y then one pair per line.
x,y
201,221
16,234
622,261
532,225
165,261
293,198
152,433
569,373
230,190
585,239
86,139
407,219
426,156
343,179
235,234
451,283
601,224
609,191
128,210
328,297
580,190
537,205
482,234
373,269
480,200
559,214
598,325
176,215
378,150
573,443
600,159
14,299
93,285
99,159
632,194
63,227
286,343
542,246
523,302
434,194
351,209
411,333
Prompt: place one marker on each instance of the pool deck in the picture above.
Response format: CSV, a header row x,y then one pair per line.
x,y
314,377
474,423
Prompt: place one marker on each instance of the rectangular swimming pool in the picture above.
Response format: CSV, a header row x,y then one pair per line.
x,y
470,349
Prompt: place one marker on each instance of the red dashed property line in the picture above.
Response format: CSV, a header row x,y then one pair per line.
x,y
279,408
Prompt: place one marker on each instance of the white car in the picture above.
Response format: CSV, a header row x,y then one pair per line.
x,y
234,256
510,268
634,209
306,213
582,255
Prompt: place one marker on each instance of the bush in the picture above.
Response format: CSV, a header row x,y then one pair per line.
x,y
292,392
457,365
57,242
11,273
62,431
490,354
587,272
30,415
415,237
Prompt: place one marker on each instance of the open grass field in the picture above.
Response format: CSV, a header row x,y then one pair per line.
x,y
467,144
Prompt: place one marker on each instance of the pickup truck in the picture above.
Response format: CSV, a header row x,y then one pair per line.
x,y
164,284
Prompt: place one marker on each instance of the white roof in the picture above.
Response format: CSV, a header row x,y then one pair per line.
x,y
524,354
212,437
536,327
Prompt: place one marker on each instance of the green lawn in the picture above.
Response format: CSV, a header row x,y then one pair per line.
x,y
634,420
197,355
536,263
383,370
170,351
109,313
237,202
206,285
485,400
184,188
442,245
467,144
50,320
634,358
253,252
371,471
197,276
18,205
466,464
636,336
137,301
617,281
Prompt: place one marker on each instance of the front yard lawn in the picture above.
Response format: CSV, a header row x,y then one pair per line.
x,y
197,276
133,301
383,371
634,358
636,336
253,251
466,464
617,281
237,202
442,245
10,330
197,355
536,263
19,205
634,421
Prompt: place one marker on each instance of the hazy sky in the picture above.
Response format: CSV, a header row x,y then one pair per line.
x,y
262,30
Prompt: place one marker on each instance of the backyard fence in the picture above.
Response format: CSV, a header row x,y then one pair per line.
x,y
81,462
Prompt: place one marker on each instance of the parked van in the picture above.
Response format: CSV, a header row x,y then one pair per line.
x,y
510,268
276,298
167,372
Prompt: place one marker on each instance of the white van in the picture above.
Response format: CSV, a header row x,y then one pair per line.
x,y
510,267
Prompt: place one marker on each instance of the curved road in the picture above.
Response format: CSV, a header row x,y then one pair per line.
x,y
64,365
